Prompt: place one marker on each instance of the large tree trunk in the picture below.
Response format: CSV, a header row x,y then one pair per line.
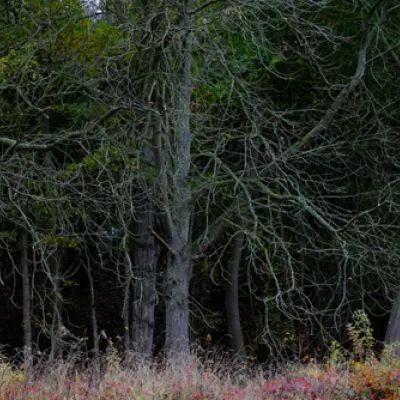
x,y
26,299
179,268
232,298
144,283
393,329
177,306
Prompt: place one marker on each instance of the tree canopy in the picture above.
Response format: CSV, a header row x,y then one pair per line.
x,y
172,171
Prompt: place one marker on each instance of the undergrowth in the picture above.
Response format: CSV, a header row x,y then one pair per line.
x,y
359,374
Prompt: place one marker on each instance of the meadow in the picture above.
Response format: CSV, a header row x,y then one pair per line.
x,y
212,378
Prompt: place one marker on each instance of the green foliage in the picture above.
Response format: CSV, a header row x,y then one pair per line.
x,y
391,354
10,236
15,65
61,241
360,333
263,74
336,356
107,156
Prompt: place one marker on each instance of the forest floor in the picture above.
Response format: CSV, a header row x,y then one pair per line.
x,y
64,380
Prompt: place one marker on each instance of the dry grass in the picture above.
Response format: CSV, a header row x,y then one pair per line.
x,y
213,378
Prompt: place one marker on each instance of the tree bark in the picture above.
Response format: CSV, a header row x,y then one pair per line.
x,y
177,306
144,283
26,300
56,345
95,328
127,304
179,268
232,298
393,328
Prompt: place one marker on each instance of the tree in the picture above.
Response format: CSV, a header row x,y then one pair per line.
x,y
180,124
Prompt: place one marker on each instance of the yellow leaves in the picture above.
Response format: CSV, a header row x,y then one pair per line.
x,y
336,355
10,376
375,379
289,338
275,60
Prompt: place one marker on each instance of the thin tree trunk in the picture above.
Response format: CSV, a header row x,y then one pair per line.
x,y
393,328
232,298
95,328
56,345
127,309
26,300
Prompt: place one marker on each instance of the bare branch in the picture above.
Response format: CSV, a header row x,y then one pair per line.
x,y
344,94
36,145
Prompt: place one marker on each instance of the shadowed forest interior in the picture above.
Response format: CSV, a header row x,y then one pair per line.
x,y
186,174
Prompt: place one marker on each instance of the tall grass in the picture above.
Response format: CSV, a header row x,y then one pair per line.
x,y
212,377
